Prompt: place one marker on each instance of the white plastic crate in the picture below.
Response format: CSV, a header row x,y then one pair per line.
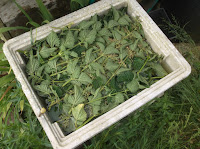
x,y
173,62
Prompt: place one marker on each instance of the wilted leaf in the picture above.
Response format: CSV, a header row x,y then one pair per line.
x,y
79,114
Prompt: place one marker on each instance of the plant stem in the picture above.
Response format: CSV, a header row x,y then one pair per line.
x,y
143,65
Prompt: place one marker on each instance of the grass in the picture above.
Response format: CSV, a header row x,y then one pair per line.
x,y
172,121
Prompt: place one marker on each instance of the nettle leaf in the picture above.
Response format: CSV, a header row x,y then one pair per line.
x,y
136,34
119,98
97,82
86,24
110,65
111,50
134,45
97,26
73,54
89,57
159,70
94,18
83,34
97,67
70,40
137,63
125,76
127,18
32,65
95,102
71,67
101,46
115,14
76,72
100,39
43,89
52,64
133,86
122,70
77,98
79,114
116,35
104,32
53,40
123,21
40,70
112,23
46,52
84,78
66,108
91,36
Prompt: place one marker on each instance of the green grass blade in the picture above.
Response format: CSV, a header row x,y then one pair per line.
x,y
6,29
44,11
4,63
6,79
77,4
23,11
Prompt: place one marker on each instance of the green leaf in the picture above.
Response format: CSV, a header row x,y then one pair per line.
x,y
111,50
104,32
46,15
72,66
136,34
21,103
69,42
86,24
40,70
91,36
5,80
134,45
6,29
159,70
116,35
77,4
84,78
125,76
52,65
97,67
4,63
112,23
110,65
115,14
122,21
46,52
122,70
44,89
133,86
79,114
77,98
89,57
73,54
32,65
97,26
100,45
53,40
97,82
119,98
137,63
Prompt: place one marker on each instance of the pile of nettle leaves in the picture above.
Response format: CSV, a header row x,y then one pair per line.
x,y
85,71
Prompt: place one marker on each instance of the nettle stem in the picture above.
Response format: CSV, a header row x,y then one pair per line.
x,y
114,73
143,64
